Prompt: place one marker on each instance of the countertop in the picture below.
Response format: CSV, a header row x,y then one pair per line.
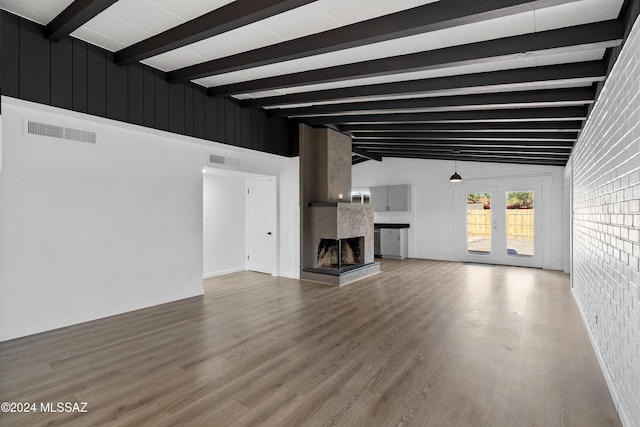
x,y
386,225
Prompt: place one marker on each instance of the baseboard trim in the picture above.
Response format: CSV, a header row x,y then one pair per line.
x,y
623,413
222,273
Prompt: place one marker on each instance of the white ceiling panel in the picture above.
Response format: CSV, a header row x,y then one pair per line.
x,y
417,43
349,12
127,22
189,9
576,13
412,44
492,29
207,49
249,37
98,39
100,31
564,58
41,12
177,58
222,79
280,68
301,21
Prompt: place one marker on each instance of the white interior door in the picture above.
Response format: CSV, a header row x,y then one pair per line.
x,y
260,226
500,224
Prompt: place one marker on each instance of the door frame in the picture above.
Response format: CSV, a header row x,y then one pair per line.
x,y
273,207
509,183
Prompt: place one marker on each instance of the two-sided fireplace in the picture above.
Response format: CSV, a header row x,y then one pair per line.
x,y
336,235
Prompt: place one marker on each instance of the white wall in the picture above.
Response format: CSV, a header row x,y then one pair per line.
x,y
224,224
432,215
92,231
606,228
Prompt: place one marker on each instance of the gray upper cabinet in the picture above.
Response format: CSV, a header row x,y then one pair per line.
x,y
391,198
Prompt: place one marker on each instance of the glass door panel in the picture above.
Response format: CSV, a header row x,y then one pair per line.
x,y
520,224
479,223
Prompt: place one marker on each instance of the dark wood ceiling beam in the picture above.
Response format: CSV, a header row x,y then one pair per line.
x,y
524,114
565,40
493,127
524,99
417,20
357,159
497,136
495,159
577,73
463,157
476,150
561,145
364,153
218,21
74,16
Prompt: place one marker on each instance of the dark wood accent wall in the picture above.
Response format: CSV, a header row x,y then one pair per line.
x,y
78,76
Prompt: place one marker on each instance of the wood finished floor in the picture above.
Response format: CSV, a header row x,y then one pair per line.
x,y
424,343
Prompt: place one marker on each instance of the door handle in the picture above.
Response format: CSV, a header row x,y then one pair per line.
x,y
269,233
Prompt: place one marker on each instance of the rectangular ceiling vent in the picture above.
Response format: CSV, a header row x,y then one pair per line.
x,y
60,132
221,160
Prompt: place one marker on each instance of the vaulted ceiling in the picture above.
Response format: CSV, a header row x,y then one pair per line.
x,y
491,80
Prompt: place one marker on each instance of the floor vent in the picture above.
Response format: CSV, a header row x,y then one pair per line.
x,y
60,132
221,160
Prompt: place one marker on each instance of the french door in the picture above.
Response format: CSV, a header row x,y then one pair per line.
x,y
500,224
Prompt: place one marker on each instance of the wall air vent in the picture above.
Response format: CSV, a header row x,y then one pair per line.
x,y
221,160
60,132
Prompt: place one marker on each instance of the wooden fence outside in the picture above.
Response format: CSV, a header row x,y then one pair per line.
x,y
519,223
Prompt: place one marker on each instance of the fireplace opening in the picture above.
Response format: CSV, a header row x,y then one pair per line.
x,y
340,254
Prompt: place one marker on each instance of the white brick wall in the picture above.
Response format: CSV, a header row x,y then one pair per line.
x,y
606,226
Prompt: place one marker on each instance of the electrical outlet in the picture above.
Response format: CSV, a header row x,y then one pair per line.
x,y
189,276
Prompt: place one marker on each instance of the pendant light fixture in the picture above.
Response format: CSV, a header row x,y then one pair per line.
x,y
455,177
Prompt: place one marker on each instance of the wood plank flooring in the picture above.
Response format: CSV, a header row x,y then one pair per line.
x,y
424,343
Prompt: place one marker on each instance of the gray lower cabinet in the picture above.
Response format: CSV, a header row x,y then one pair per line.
x,y
394,243
392,198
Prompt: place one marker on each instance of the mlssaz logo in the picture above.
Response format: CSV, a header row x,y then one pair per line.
x,y
63,407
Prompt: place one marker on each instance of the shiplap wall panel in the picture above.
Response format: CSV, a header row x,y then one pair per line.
x,y
188,110
75,75
199,98
10,56
117,88
80,76
34,80
135,80
97,81
211,118
149,97
161,104
177,112
229,118
62,74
